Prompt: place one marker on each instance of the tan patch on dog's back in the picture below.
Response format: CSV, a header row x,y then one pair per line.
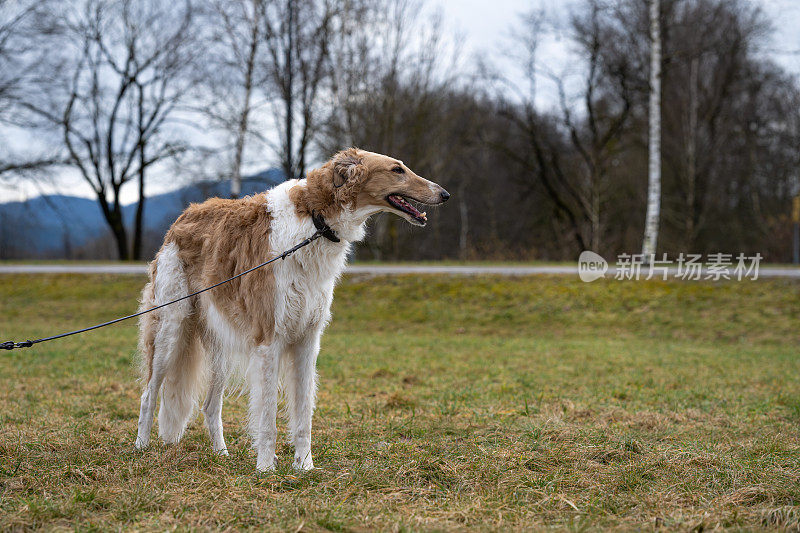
x,y
219,239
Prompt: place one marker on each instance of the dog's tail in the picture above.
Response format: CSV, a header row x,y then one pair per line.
x,y
148,325
181,390
169,345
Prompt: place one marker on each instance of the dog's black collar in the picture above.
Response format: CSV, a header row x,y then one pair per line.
x,y
323,228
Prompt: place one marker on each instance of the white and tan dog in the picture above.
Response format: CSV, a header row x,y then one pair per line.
x,y
272,318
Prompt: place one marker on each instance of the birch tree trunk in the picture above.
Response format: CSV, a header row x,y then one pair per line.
x,y
654,180
241,133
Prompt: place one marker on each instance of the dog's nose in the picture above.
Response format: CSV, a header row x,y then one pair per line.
x,y
445,195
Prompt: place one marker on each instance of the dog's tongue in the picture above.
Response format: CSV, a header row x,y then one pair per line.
x,y
407,206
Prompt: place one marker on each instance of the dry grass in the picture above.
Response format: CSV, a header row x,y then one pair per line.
x,y
445,403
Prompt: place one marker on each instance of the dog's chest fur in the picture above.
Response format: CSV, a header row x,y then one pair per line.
x,y
304,282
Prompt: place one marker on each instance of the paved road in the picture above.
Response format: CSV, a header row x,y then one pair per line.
x,y
375,270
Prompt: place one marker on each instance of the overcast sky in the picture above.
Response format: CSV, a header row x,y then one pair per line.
x,y
485,26
486,23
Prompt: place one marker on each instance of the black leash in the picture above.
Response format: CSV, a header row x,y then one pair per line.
x,y
323,230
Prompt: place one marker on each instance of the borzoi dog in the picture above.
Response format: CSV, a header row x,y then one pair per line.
x,y
270,319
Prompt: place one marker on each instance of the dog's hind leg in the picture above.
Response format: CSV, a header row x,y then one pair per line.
x,y
262,375
172,371
152,369
146,409
154,377
182,384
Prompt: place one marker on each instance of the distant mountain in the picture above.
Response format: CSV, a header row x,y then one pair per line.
x,y
56,226
47,226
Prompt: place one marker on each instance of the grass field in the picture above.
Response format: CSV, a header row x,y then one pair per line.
x,y
444,403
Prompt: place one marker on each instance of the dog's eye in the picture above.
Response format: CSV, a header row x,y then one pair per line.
x,y
398,170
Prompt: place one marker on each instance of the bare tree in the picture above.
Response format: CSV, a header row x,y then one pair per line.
x,y
16,49
707,74
269,54
607,102
13,16
654,173
233,89
391,79
575,170
116,77
297,34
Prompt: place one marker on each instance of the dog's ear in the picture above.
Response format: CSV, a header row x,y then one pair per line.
x,y
347,166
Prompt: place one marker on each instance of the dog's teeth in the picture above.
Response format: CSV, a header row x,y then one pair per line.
x,y
425,214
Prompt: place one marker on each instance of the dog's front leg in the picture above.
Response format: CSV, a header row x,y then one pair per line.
x,y
303,388
262,374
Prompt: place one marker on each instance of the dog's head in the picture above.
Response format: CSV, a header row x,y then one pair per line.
x,y
369,183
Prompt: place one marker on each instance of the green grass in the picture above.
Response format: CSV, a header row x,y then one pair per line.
x,y
445,403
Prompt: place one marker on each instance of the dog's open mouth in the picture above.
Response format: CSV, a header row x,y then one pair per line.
x,y
405,206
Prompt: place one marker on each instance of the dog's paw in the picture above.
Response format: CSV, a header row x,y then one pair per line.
x,y
303,463
140,443
265,469
264,465
221,451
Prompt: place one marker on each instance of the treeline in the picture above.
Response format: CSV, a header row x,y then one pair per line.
x,y
121,91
